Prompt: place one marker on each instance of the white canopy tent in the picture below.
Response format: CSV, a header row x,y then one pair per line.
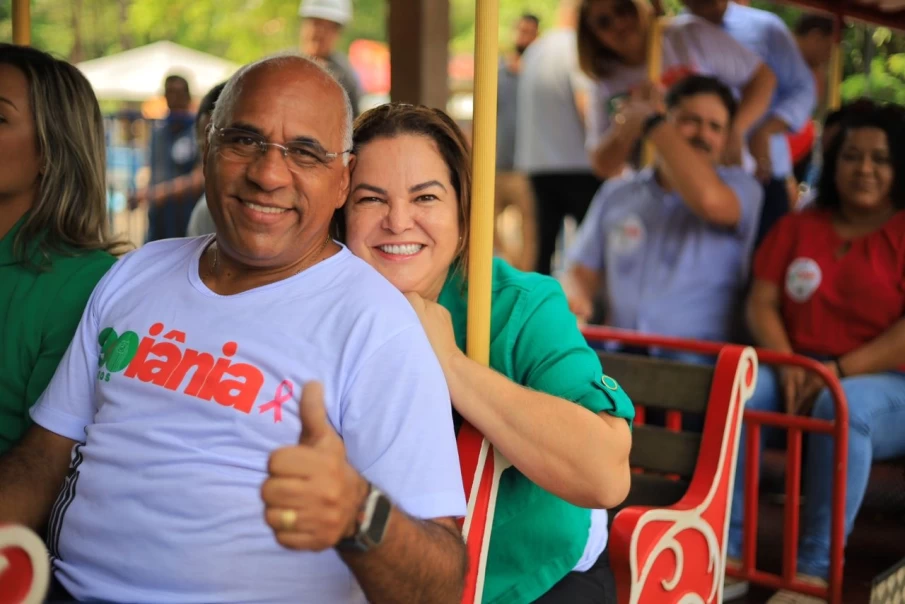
x,y
138,74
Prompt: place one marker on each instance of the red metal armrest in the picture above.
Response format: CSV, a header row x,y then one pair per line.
x,y
678,554
24,566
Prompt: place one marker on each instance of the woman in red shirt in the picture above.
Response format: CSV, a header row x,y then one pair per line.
x,y
829,282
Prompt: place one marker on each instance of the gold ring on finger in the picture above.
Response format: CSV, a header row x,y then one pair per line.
x,y
287,519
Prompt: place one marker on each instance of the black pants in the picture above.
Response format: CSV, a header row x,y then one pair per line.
x,y
776,205
597,585
559,195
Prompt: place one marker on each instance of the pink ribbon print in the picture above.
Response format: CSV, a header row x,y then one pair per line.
x,y
283,394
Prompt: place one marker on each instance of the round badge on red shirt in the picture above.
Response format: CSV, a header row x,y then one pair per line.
x,y
802,279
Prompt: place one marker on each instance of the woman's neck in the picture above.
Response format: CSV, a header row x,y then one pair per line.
x,y
641,59
855,220
11,210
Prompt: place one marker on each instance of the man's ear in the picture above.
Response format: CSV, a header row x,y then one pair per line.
x,y
346,185
205,149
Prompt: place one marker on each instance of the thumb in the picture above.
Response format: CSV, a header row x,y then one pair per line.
x,y
313,414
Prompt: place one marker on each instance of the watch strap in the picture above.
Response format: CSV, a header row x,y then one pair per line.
x,y
364,538
651,122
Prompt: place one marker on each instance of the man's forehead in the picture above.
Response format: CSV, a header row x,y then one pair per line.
x,y
292,102
708,106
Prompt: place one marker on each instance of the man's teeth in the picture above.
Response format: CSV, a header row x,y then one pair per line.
x,y
264,209
401,250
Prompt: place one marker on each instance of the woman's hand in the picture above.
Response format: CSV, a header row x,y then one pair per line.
x,y
811,387
437,323
791,379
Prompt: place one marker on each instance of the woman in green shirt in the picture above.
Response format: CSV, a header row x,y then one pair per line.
x,y
544,402
54,245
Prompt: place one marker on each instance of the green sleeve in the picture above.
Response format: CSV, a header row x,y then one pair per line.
x,y
62,320
550,355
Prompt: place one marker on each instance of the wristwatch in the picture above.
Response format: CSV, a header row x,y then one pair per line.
x,y
371,524
650,123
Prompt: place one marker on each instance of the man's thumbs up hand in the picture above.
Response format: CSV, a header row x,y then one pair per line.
x,y
312,495
316,428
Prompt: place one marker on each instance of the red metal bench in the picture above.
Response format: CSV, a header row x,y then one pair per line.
x,y
668,541
795,427
24,566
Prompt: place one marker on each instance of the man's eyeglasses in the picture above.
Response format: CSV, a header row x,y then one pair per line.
x,y
242,146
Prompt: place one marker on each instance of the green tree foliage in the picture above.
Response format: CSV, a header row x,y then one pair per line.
x,y
244,30
239,30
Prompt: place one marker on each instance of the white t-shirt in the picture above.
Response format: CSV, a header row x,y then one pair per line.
x,y
179,410
688,42
549,136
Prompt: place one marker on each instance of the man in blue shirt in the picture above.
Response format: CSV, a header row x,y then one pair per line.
x,y
765,34
670,245
173,156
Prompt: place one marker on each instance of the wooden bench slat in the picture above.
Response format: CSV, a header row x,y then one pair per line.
x,y
659,383
653,490
661,450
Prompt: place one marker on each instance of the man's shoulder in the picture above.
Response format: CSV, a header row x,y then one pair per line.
x,y
685,23
550,48
621,187
750,15
135,264
178,247
364,291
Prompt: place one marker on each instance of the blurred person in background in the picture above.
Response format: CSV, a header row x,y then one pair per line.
x,y
832,125
54,243
814,36
201,222
322,25
512,188
549,146
668,247
828,283
613,41
766,35
176,178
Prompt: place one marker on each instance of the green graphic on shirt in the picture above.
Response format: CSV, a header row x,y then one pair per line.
x,y
116,351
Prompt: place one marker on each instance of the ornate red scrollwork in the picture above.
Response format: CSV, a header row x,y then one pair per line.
x,y
678,554
24,566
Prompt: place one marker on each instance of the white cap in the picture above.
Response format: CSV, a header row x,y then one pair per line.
x,y
338,11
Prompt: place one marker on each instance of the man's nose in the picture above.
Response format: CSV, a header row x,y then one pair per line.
x,y
269,170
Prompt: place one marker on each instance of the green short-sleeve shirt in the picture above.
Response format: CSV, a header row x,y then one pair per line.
x,y
41,310
537,537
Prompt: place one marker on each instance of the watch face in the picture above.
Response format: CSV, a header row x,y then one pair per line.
x,y
379,519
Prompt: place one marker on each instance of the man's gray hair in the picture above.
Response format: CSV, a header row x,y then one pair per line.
x,y
234,87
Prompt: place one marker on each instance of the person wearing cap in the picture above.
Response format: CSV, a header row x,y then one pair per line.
x,y
322,25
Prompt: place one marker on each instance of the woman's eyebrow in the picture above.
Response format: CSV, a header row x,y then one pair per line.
x,y
371,188
426,185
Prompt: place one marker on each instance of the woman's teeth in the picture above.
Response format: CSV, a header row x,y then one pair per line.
x,y
408,249
264,209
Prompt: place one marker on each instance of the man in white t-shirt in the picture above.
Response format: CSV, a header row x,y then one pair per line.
x,y
256,415
549,137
